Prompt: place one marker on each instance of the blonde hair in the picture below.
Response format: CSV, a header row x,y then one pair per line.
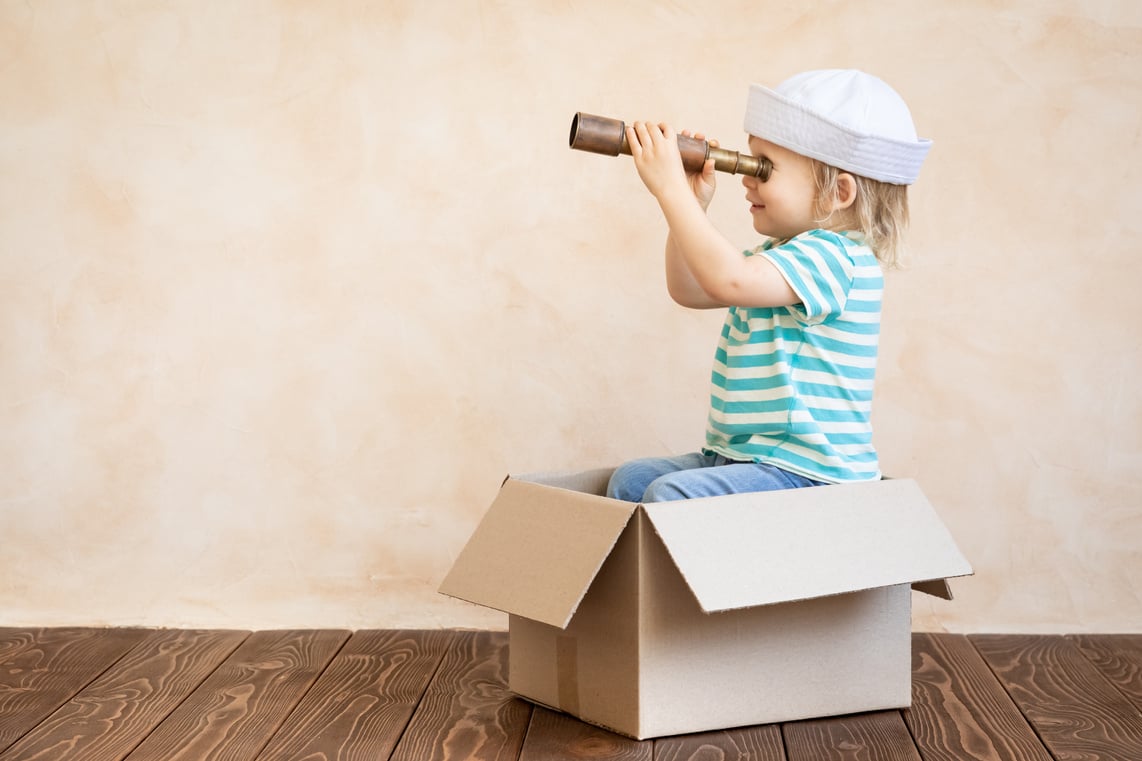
x,y
880,210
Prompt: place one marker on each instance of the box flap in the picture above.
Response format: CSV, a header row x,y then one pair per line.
x,y
758,549
537,550
935,587
588,481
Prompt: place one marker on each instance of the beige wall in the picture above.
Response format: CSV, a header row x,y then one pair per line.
x,y
286,288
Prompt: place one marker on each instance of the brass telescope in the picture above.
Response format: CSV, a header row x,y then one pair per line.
x,y
598,134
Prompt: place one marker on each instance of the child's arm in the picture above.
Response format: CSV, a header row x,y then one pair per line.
x,y
680,282
718,274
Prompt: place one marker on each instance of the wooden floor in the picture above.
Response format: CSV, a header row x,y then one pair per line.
x,y
109,694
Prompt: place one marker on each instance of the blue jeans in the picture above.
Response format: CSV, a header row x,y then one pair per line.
x,y
661,479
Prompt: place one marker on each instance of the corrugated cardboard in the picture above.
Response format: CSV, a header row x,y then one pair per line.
x,y
705,614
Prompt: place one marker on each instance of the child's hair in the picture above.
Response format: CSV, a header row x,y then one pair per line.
x,y
880,210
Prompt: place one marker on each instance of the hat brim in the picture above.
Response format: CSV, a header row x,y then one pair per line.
x,y
773,117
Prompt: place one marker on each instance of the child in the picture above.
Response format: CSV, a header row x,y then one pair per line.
x,y
793,372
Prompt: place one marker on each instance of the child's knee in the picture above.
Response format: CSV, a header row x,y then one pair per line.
x,y
625,483
664,489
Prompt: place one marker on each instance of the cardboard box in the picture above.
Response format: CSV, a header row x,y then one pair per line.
x,y
705,614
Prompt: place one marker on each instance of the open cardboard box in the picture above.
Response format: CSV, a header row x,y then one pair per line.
x,y
704,614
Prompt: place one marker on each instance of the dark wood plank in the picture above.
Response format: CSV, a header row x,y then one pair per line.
x,y
233,714
1119,658
878,736
116,711
761,743
40,669
467,712
1076,711
959,711
363,701
555,735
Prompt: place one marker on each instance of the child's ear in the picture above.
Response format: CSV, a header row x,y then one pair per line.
x,y
846,191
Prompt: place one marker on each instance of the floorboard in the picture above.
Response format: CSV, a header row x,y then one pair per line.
x,y
554,735
1118,657
41,669
877,736
467,713
959,711
1075,710
113,714
761,743
78,694
361,705
236,711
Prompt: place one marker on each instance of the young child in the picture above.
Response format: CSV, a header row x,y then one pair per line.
x,y
793,372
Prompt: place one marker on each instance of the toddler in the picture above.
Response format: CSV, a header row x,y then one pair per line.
x,y
791,389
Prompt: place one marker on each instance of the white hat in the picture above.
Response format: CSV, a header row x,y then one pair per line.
x,y
843,117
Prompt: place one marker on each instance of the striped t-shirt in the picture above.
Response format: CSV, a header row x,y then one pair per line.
x,y
792,386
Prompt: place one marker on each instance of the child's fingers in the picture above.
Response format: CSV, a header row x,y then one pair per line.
x,y
699,136
644,136
646,133
638,138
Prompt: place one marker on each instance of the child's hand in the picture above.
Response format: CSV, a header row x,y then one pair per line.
x,y
654,148
703,183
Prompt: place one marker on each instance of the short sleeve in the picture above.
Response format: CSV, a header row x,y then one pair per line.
x,y
819,269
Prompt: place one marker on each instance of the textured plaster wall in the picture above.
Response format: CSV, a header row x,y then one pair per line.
x,y
286,288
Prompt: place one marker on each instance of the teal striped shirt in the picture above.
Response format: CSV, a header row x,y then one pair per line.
x,y
792,386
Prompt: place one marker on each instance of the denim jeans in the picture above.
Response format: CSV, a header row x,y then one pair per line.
x,y
661,479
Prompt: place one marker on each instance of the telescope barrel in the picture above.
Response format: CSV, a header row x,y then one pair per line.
x,y
598,134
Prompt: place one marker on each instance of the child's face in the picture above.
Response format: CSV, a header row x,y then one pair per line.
x,y
785,205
